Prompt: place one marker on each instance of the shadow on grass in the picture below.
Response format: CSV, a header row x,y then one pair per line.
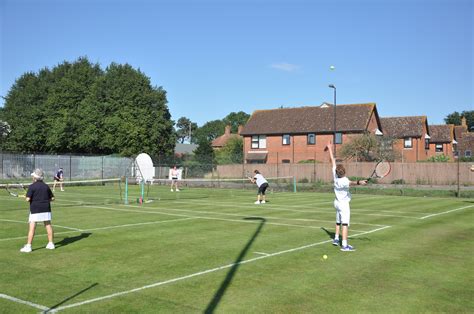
x,y
230,275
329,233
70,298
69,240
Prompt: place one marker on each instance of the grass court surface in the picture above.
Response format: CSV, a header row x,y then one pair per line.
x,y
203,250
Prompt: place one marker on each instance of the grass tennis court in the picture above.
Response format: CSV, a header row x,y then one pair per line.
x,y
203,250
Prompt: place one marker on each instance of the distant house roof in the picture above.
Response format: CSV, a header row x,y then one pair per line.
x,y
317,119
400,127
466,142
223,139
459,130
443,133
184,148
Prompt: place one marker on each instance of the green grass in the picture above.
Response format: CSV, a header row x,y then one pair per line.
x,y
214,250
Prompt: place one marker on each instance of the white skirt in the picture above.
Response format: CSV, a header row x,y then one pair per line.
x,y
40,217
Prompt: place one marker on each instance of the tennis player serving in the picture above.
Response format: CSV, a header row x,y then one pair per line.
x,y
262,184
341,203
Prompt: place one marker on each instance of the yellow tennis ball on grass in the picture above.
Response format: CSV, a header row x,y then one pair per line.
x,y
325,256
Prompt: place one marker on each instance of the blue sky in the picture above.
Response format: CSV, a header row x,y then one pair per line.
x,y
214,57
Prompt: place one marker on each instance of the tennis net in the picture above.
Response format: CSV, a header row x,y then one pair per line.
x,y
160,189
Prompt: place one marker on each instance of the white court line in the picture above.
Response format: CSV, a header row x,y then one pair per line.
x,y
206,218
262,206
288,208
38,306
54,225
105,228
446,212
245,215
204,272
261,253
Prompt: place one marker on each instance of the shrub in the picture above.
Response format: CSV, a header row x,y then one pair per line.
x,y
398,181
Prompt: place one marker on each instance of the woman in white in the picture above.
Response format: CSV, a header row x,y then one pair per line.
x,y
174,179
262,184
39,196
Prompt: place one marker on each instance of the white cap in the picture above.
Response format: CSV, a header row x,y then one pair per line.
x,y
38,174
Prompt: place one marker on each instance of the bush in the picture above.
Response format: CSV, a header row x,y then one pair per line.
x,y
398,181
304,180
308,161
438,158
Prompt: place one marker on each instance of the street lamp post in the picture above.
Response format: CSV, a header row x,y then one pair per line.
x,y
334,125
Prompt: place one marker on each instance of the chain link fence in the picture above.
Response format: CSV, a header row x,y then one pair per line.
x,y
19,166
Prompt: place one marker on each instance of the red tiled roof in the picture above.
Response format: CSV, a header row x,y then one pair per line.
x,y
317,119
223,139
400,127
441,133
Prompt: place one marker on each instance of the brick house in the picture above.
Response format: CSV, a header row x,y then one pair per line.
x,y
464,139
442,140
411,135
292,135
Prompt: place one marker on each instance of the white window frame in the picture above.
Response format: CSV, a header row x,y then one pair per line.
x,y
439,148
286,136
311,135
408,142
258,141
336,136
467,153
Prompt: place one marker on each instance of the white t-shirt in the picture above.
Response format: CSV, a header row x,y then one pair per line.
x,y
341,187
259,179
174,173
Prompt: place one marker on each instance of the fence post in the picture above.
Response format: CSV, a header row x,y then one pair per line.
x,y
70,167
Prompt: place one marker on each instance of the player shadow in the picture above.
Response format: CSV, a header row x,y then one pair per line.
x,y
70,298
233,270
70,240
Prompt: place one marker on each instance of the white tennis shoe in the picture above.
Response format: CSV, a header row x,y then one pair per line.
x,y
257,202
50,246
262,202
26,248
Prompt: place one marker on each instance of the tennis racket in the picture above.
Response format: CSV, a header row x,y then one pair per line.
x,y
16,190
382,169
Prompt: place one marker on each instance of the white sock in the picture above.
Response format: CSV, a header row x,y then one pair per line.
x,y
336,237
344,242
27,245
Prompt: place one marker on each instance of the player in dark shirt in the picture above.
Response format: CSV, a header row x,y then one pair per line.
x,y
59,177
39,196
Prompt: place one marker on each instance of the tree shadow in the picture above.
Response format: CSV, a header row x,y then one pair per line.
x,y
69,240
231,273
329,233
70,298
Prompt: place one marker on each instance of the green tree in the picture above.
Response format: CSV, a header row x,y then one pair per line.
x,y
185,129
235,119
369,147
79,108
231,153
455,118
209,131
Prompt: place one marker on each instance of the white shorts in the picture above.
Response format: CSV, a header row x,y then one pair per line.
x,y
40,217
343,212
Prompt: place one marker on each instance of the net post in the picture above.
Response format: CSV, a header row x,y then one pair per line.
x,y
142,189
294,184
126,190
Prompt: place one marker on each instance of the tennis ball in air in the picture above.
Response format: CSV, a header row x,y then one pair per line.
x,y
332,67
325,256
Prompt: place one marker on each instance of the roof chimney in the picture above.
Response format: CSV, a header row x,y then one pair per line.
x,y
227,129
241,127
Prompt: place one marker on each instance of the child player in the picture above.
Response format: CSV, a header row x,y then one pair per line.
x,y
341,203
